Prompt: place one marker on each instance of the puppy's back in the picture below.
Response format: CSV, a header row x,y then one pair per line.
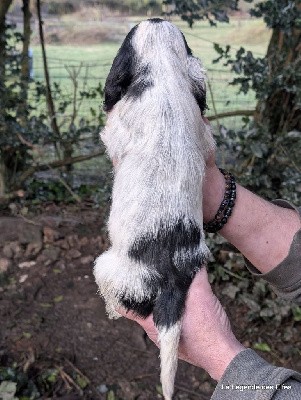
x,y
155,93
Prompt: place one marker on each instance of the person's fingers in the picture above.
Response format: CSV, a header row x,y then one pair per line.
x,y
127,314
200,283
146,323
206,120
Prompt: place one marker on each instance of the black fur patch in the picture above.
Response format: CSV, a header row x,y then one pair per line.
x,y
121,73
125,78
199,94
169,307
175,274
156,20
200,97
141,81
143,308
150,249
188,49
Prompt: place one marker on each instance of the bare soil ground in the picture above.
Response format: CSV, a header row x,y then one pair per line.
x,y
53,319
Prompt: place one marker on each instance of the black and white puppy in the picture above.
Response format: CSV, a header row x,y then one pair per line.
x,y
155,96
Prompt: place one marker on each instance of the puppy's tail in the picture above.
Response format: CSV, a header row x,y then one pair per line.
x,y
169,342
167,313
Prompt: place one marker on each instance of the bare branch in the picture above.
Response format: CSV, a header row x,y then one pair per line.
x,y
236,113
56,164
50,103
4,198
74,73
213,103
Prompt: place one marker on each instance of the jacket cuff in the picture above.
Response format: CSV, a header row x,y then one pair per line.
x,y
249,376
285,278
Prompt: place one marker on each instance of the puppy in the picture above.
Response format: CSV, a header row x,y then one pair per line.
x,y
155,96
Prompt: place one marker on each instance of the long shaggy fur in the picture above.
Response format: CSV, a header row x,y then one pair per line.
x,y
155,96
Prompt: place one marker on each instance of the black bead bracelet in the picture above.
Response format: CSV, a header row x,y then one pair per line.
x,y
226,207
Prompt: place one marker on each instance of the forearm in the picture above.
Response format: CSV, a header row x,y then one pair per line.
x,y
261,231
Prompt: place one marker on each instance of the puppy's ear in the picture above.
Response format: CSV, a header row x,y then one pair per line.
x,y
188,49
197,74
121,73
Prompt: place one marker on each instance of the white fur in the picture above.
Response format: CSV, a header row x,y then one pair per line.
x,y
169,342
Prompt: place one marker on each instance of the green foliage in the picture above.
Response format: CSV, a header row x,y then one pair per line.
x,y
265,163
14,153
21,132
297,313
111,395
278,14
253,71
226,270
8,390
192,10
266,151
61,8
262,347
39,191
81,381
18,385
72,123
133,6
36,383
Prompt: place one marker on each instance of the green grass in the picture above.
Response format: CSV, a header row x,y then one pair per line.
x,y
96,59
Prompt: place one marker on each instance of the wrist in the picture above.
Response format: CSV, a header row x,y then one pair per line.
x,y
213,192
224,354
260,230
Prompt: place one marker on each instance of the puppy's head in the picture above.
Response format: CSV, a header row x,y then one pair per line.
x,y
147,48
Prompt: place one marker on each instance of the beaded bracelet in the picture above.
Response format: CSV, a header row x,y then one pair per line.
x,y
226,207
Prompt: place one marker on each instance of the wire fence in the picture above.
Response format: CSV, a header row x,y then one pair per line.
x,y
222,96
90,73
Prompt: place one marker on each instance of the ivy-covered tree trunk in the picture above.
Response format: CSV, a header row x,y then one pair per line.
x,y
4,6
280,111
25,63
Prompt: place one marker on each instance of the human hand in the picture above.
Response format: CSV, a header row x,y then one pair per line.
x,y
207,340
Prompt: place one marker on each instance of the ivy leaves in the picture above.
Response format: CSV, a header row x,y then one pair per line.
x,y
278,14
210,10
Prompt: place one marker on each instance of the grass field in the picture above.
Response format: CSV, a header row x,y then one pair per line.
x,y
95,59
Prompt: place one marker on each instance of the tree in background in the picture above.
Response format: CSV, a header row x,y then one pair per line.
x,y
25,61
13,93
24,127
4,6
269,153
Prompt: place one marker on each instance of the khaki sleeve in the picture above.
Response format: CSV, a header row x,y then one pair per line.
x,y
250,377
285,278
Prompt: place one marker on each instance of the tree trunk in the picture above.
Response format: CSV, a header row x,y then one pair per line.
x,y
68,151
280,112
2,177
25,63
49,99
4,6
